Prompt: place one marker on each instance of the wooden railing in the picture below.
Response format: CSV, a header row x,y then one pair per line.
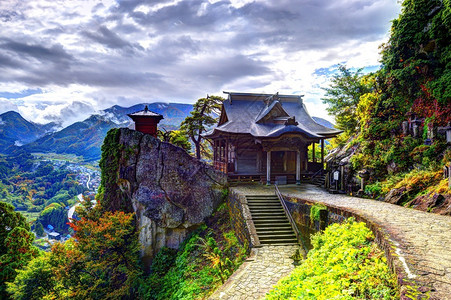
x,y
290,218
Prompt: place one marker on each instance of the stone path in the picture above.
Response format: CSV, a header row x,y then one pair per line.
x,y
255,277
422,240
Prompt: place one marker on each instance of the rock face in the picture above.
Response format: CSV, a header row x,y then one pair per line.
x,y
170,191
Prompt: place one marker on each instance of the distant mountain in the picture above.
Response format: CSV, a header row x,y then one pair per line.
x,y
16,131
85,138
323,122
173,113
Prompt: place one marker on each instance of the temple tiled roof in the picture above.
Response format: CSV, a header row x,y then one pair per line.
x,y
265,115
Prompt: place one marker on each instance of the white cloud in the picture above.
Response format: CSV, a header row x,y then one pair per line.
x,y
89,55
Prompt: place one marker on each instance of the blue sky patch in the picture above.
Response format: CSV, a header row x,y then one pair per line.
x,y
22,94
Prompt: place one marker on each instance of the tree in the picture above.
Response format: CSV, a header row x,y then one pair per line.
x,y
37,280
204,114
343,96
9,219
101,262
38,228
16,247
19,252
175,137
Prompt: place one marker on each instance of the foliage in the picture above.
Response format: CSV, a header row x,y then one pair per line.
x,y
175,137
101,262
345,263
39,229
15,245
56,215
109,165
186,274
343,96
315,211
37,280
31,184
412,84
204,114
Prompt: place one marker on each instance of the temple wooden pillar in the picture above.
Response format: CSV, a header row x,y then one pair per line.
x,y
214,153
268,167
322,154
226,156
313,152
298,167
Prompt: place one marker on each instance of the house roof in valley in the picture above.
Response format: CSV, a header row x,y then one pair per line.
x,y
266,115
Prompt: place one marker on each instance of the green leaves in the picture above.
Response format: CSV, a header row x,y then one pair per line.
x,y
344,263
343,96
16,247
204,114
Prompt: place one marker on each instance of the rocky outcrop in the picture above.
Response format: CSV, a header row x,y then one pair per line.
x,y
170,191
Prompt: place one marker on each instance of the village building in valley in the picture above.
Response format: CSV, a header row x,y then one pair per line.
x,y
266,137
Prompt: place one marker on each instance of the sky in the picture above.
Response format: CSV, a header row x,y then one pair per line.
x,y
62,60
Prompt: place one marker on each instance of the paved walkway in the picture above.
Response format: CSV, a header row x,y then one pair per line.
x,y
422,240
255,277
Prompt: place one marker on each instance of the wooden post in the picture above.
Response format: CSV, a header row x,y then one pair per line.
x,y
226,156
298,167
322,154
268,167
313,152
342,178
221,155
214,153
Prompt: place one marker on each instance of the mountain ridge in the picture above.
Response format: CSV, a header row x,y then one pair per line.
x,y
85,138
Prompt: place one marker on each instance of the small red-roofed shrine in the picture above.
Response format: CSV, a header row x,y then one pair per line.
x,y
146,121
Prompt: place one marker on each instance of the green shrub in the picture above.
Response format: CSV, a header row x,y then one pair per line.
x,y
315,210
201,264
345,263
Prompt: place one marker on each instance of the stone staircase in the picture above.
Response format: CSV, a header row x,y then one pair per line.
x,y
318,180
270,221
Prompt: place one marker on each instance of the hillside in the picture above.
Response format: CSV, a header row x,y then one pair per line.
x,y
16,131
86,137
399,146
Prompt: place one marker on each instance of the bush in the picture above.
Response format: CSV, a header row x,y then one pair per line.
x,y
345,263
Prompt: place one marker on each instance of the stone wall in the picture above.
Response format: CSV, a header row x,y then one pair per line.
x,y
241,219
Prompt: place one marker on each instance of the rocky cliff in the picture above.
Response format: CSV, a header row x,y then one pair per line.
x,y
170,191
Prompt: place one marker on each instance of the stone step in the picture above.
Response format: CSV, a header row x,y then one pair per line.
x,y
268,210
273,228
270,214
264,204
264,207
279,241
276,232
272,203
270,223
272,219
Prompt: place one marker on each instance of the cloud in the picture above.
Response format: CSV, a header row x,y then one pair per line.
x,y
108,38
7,105
129,51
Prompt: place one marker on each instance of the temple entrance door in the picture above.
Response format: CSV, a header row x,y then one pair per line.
x,y
278,163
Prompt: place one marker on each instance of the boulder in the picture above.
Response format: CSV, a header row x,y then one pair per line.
x,y
397,196
170,191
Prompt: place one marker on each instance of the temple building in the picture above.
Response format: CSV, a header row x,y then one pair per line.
x,y
146,121
266,137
